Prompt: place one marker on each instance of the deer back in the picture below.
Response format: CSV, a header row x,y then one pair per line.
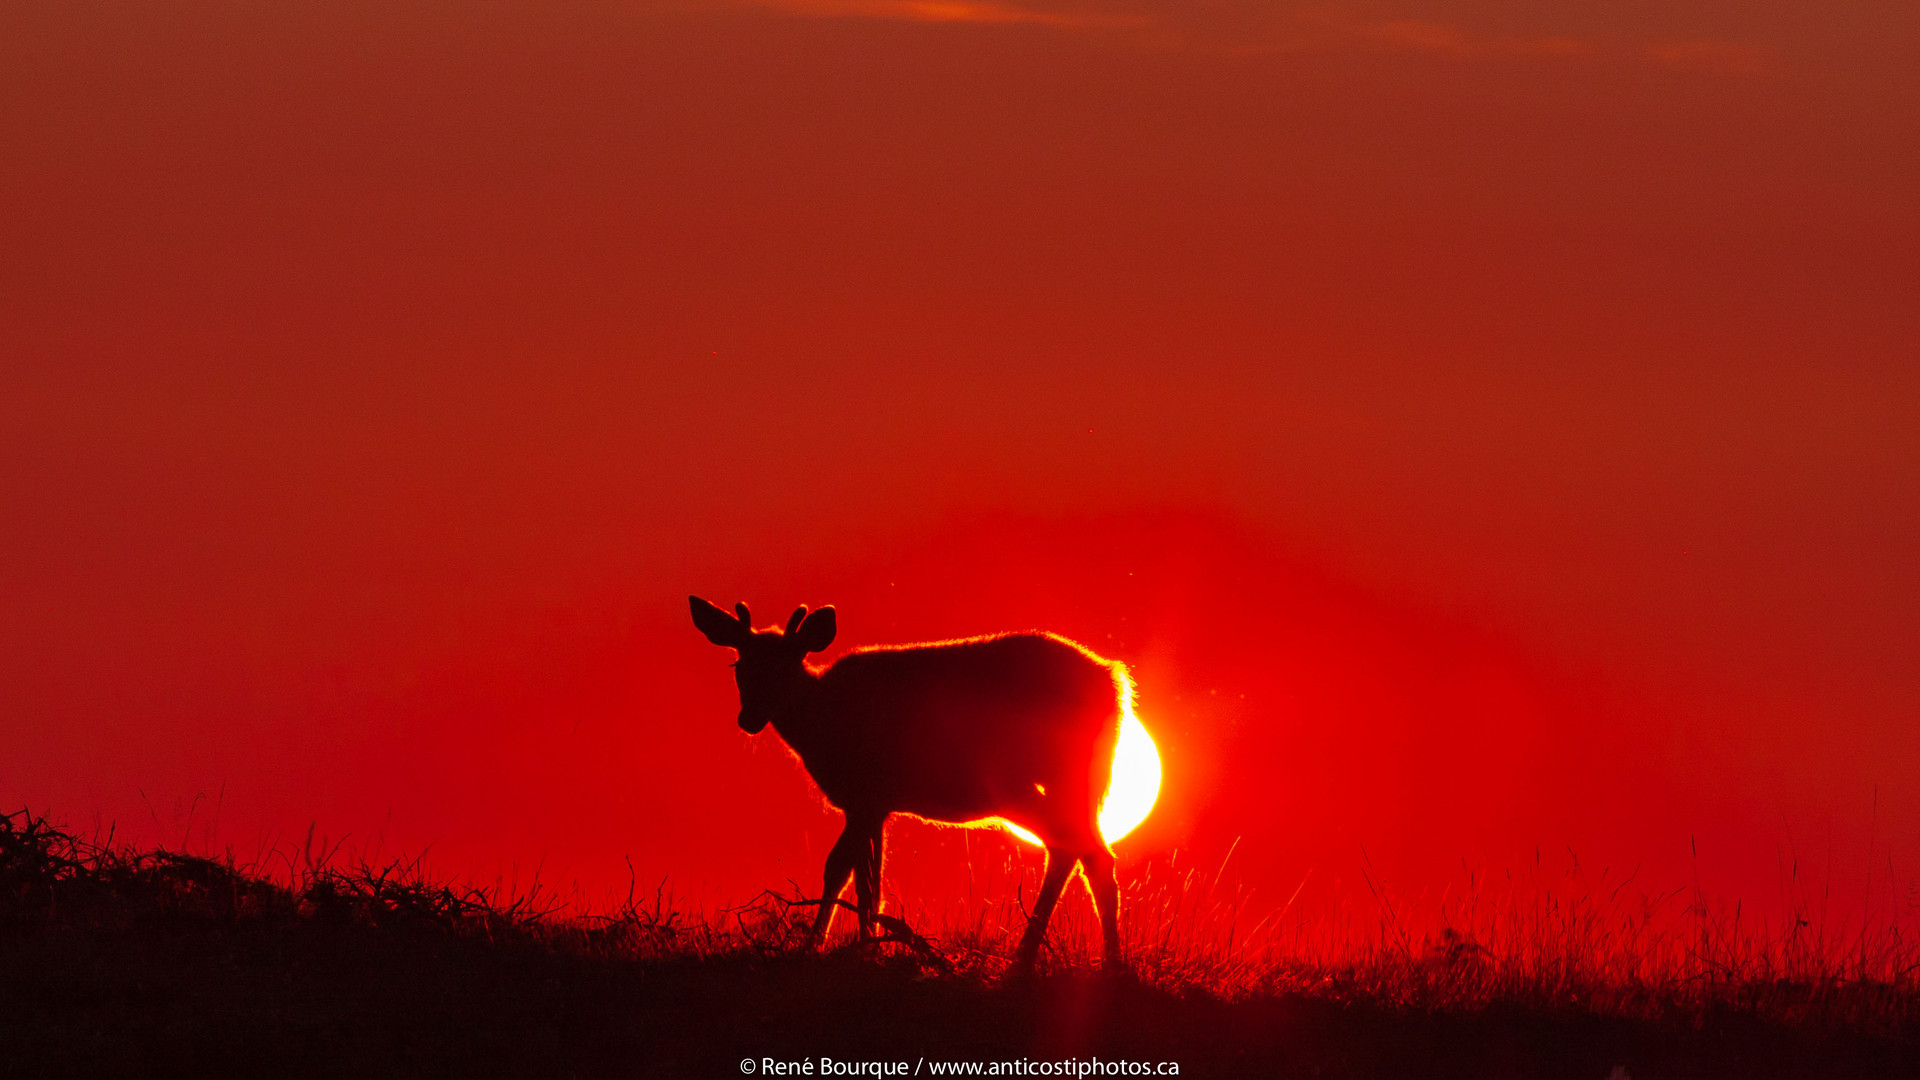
x,y
956,731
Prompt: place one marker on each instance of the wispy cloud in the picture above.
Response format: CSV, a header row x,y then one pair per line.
x,y
1453,41
1250,29
955,11
1716,57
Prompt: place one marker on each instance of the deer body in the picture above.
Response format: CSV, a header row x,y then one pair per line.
x,y
1018,726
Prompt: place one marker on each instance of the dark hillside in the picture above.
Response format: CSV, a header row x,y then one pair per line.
x,y
154,964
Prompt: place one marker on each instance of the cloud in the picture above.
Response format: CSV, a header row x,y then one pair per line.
x,y
954,11
1243,29
1716,57
1434,37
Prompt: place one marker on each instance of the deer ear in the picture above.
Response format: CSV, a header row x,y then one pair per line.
x,y
817,630
720,627
793,623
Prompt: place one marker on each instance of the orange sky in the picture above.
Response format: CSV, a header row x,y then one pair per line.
x,y
1516,403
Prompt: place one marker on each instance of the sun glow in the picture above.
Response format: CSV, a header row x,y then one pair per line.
x,y
1136,777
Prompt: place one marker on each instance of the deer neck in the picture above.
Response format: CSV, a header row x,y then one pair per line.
x,y
795,719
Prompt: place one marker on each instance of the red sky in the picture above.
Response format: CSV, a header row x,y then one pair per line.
x,y
1481,425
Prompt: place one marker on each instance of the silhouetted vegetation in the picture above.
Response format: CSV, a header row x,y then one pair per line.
x,y
117,962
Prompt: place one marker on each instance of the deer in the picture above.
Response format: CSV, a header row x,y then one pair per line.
x,y
1017,726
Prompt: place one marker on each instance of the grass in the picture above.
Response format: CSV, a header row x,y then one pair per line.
x,y
122,962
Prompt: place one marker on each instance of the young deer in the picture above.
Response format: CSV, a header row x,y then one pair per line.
x,y
1015,726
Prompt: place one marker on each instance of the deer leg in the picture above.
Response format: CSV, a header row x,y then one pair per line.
x,y
839,867
1059,865
1106,902
866,873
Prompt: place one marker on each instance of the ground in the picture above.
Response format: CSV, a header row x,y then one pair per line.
x,y
126,964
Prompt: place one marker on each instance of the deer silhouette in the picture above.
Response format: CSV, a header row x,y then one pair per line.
x,y
1018,726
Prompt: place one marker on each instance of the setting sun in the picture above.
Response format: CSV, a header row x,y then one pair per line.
x,y
1136,780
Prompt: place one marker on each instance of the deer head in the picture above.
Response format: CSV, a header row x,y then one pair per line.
x,y
772,669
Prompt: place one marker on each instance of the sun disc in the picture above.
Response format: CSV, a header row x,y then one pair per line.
x,y
1136,780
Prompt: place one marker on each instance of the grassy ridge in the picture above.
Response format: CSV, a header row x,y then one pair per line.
x,y
116,962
